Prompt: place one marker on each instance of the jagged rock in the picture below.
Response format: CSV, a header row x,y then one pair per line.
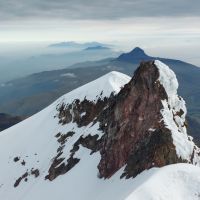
x,y
82,112
57,168
17,182
136,134
35,172
23,162
62,138
16,159
60,167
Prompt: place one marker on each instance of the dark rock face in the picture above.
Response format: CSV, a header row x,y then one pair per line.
x,y
59,167
24,176
155,150
33,172
83,112
131,117
16,159
134,136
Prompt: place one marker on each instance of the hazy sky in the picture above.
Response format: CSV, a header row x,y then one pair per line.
x,y
163,27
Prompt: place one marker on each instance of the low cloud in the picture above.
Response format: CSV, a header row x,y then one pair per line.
x,y
99,10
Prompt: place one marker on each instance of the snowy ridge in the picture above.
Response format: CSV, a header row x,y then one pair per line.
x,y
174,112
99,88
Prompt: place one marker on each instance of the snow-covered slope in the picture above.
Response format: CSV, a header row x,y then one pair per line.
x,y
103,86
33,141
174,182
55,153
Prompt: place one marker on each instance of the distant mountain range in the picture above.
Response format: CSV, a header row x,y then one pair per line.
x,y
72,44
30,94
53,83
43,58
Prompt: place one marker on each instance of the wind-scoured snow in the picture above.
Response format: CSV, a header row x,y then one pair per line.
x,y
167,78
100,88
174,112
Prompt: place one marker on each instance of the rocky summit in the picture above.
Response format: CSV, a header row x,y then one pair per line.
x,y
100,139
142,123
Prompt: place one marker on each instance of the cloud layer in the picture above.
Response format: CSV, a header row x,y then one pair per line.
x,y
99,10
170,26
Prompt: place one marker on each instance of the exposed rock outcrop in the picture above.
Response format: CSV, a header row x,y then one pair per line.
x,y
143,126
82,112
137,136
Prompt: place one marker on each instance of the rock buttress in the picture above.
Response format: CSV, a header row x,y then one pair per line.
x,y
135,134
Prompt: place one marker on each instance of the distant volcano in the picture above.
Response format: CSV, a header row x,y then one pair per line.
x,y
135,56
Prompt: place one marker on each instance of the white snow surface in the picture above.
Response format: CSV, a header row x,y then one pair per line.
x,y
99,88
172,182
167,78
185,147
33,140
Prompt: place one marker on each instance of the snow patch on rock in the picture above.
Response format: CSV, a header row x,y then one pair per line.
x,y
174,112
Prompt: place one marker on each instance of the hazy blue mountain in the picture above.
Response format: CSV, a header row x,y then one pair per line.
x,y
96,48
72,44
135,56
48,59
65,44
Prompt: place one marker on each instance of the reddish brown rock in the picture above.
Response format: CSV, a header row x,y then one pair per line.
x,y
84,112
130,118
